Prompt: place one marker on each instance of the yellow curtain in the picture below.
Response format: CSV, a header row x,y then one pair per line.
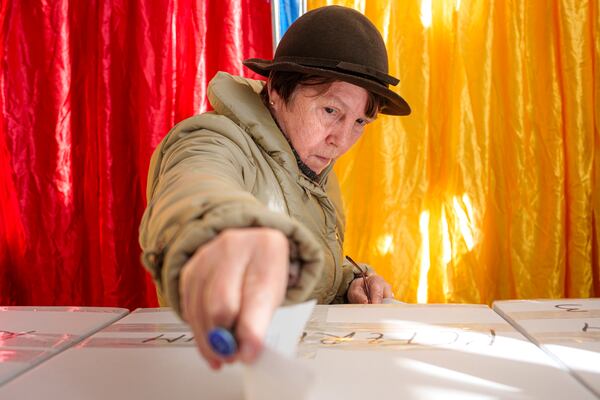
x,y
490,188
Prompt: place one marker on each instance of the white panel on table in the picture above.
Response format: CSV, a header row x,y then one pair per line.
x,y
568,329
149,354
30,335
397,351
429,351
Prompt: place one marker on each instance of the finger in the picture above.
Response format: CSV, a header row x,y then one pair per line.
x,y
259,303
376,284
221,302
203,346
192,282
195,321
263,291
356,292
387,291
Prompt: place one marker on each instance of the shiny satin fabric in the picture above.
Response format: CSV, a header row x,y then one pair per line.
x,y
88,89
490,188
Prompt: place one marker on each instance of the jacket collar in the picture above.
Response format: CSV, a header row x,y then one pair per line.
x,y
239,99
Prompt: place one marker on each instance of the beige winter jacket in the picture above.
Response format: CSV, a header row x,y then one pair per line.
x,y
233,168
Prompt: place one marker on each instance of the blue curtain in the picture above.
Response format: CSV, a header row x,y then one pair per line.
x,y
284,13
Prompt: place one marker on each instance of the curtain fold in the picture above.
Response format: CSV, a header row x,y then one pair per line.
x,y
489,189
88,90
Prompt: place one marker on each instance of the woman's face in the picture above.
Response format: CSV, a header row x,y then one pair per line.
x,y
322,126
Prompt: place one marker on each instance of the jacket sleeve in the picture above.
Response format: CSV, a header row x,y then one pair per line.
x,y
199,184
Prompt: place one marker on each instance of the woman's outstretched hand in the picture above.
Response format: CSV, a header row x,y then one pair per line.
x,y
236,281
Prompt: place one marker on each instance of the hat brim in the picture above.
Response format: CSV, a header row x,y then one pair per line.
x,y
394,104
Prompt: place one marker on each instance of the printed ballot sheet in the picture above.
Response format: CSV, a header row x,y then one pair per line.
x,y
567,329
151,354
428,352
30,335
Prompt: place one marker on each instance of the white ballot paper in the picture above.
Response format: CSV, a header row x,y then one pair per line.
x,y
277,374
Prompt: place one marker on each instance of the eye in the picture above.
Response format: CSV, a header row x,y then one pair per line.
x,y
361,122
329,110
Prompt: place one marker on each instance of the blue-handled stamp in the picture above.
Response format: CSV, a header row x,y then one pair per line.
x,y
222,342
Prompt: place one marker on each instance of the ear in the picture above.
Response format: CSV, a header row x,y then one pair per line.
x,y
274,98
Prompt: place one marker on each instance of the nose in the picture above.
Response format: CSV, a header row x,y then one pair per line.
x,y
339,135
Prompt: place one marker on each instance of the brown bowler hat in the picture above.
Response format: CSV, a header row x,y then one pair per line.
x,y
338,42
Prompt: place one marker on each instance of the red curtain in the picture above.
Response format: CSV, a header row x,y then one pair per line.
x,y
87,91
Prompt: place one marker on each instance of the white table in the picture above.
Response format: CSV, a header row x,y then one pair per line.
x,y
357,352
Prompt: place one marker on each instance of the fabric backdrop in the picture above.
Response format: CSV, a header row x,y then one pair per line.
x,y
490,189
87,90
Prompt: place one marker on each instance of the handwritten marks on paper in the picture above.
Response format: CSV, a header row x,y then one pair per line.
x,y
400,339
554,320
404,328
587,326
570,307
7,335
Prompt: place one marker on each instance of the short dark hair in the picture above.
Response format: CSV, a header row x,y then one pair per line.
x,y
285,82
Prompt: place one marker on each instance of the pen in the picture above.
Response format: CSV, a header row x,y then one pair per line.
x,y
363,274
222,342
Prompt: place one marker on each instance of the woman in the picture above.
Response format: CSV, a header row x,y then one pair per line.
x,y
244,211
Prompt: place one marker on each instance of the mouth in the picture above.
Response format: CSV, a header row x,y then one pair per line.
x,y
318,163
323,160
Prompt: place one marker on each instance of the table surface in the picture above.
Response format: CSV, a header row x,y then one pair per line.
x,y
357,352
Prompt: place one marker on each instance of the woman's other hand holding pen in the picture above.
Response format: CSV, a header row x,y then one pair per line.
x,y
236,281
378,289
